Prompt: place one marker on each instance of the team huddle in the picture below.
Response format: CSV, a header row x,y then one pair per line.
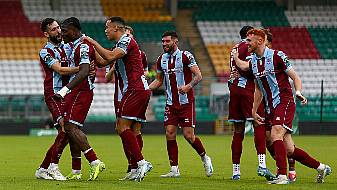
x,y
70,60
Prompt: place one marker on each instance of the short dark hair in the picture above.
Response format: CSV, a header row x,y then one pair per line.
x,y
244,30
45,22
269,34
170,33
131,29
117,19
71,21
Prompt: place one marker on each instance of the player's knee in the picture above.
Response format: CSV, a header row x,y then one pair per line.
x,y
136,130
67,128
170,134
120,129
189,137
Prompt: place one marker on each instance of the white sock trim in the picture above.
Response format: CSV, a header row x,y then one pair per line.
x,y
321,166
236,169
84,152
262,160
76,171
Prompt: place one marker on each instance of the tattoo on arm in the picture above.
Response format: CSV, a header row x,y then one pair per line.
x,y
194,82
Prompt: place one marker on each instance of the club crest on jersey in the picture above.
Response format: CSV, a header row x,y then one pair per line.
x,y
268,60
48,58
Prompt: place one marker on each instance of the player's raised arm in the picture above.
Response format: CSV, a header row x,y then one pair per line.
x,y
64,70
83,72
100,61
243,65
106,54
49,58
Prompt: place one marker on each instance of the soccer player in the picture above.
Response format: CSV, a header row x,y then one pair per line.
x,y
129,30
134,90
78,93
54,62
180,73
240,111
272,70
291,162
112,73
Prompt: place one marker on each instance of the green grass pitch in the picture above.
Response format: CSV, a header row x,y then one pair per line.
x,y
21,155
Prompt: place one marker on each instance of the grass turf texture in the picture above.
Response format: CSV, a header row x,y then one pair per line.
x,y
21,155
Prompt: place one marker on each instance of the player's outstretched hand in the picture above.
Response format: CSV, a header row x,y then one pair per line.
x,y
235,53
258,119
87,38
184,89
62,93
300,97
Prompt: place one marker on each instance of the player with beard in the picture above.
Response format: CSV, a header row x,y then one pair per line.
x,y
54,62
179,72
78,93
272,70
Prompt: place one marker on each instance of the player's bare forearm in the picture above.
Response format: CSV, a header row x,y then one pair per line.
x,y
109,76
104,53
197,77
157,82
296,79
154,85
80,76
257,98
100,61
298,86
68,70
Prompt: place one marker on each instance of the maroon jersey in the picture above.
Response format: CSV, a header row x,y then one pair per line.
x,y
49,55
176,71
144,60
130,68
271,75
83,53
246,79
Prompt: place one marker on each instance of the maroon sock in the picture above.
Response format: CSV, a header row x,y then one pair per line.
x,y
47,158
127,154
90,155
60,143
260,139
237,147
291,164
280,157
197,145
140,141
133,163
76,163
172,151
271,151
130,141
304,158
